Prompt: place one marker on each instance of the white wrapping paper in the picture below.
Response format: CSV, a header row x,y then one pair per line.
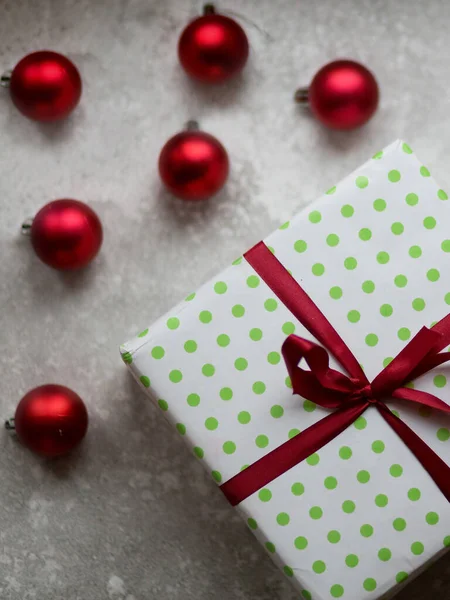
x,y
360,516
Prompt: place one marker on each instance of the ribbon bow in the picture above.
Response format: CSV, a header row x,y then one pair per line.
x,y
349,394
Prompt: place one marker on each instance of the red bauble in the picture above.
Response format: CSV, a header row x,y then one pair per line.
x,y
66,234
45,86
213,48
343,94
51,420
193,165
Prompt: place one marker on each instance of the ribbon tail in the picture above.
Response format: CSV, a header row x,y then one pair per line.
x,y
291,453
421,397
443,328
438,470
429,362
402,367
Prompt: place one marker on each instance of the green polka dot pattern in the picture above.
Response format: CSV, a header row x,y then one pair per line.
x,y
370,584
145,381
397,228
273,358
350,263
352,561
205,316
336,292
348,506
352,516
208,370
362,181
193,400
163,405
189,346
411,199
366,530
368,287
365,234
318,269
330,483
315,216
345,452
270,305
283,519
353,316
127,358
300,543
319,567
300,246
381,500
336,591
379,204
396,470
347,211
211,423
334,537
173,323
238,311
297,489
226,393
383,258
255,334
360,423
223,340
220,287
332,240
394,176
244,417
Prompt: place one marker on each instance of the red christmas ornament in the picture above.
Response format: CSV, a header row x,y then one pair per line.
x,y
343,94
44,86
213,48
193,164
50,420
65,234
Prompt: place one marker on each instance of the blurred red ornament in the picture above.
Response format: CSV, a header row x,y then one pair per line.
x,y
50,420
193,164
44,86
65,234
213,48
343,94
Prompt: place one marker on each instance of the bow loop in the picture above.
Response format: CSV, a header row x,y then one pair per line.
x,y
332,389
321,384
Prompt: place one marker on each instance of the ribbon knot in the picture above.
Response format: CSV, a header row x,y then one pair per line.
x,y
365,393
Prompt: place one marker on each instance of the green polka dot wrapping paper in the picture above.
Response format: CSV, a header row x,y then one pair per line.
x,y
360,517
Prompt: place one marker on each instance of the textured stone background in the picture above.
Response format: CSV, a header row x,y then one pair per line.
x,y
131,516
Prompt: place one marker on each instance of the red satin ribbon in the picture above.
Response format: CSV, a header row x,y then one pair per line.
x,y
349,394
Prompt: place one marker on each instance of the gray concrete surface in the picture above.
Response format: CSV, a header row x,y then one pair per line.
x,y
131,516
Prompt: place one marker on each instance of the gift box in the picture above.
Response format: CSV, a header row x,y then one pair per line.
x,y
339,468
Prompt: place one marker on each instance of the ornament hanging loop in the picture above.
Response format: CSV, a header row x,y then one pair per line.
x,y
301,96
192,125
26,227
209,9
10,425
5,79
